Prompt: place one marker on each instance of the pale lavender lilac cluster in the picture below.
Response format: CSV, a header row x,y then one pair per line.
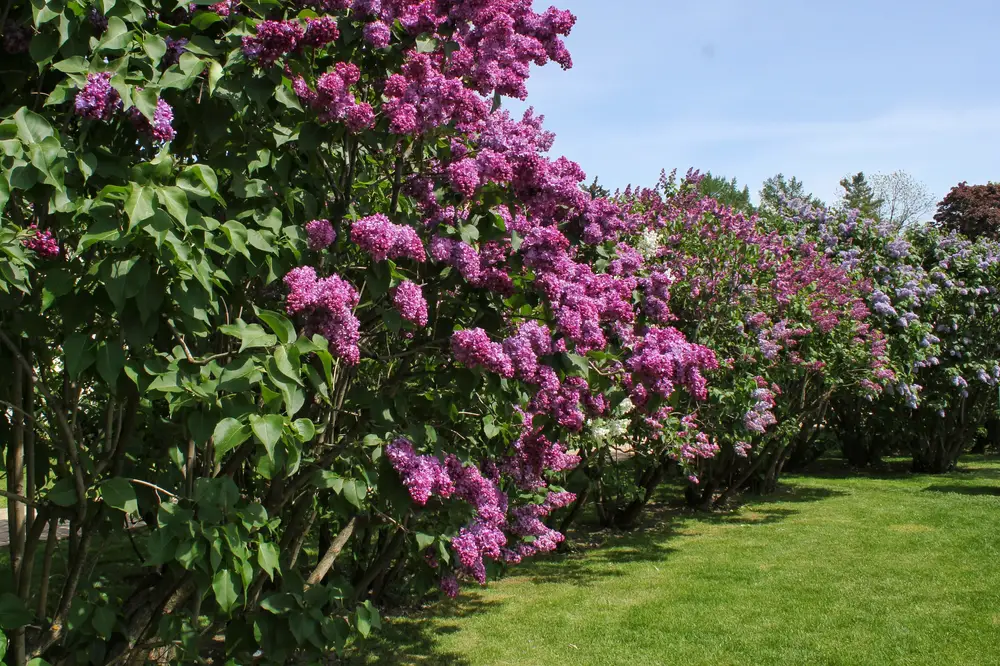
x,y
760,416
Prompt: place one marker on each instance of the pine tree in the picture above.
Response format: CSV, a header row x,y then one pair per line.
x,y
777,189
727,192
858,194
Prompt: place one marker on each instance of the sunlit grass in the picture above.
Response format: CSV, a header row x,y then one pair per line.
x,y
835,569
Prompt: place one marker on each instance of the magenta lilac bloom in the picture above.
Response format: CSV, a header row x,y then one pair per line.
x,y
378,34
97,99
43,242
383,240
320,32
474,348
328,305
408,300
321,234
161,129
274,40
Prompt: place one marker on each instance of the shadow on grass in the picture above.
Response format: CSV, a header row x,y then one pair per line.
x,y
964,490
596,554
838,468
409,639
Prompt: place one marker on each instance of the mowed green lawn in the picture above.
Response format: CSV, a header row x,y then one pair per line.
x,y
836,569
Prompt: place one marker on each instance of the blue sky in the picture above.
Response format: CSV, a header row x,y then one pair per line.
x,y
750,88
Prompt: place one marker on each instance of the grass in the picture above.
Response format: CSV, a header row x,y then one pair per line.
x,y
835,569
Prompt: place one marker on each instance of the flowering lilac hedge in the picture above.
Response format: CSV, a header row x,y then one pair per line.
x,y
935,299
287,284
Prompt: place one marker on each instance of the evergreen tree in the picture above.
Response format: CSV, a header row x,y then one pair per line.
x,y
777,189
727,192
858,194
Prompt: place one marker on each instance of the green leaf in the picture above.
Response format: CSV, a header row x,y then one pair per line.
x,y
228,434
279,324
31,127
125,279
304,428
43,48
214,75
284,366
327,480
267,557
139,206
251,335
490,428
175,201
198,180
145,101
105,227
115,37
46,156
355,491
78,354
110,361
426,45
63,493
280,603
239,376
267,429
287,98
424,540
224,587
155,47
13,612
119,494
367,618
579,362
74,65
237,235
87,163
189,552
43,11
104,621
58,282
203,20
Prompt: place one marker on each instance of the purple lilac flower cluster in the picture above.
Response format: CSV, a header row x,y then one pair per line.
x,y
760,416
663,359
408,299
161,129
175,47
328,306
480,269
490,534
97,99
383,240
321,234
16,38
42,242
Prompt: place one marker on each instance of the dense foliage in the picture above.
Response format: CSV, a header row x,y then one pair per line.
x,y
972,210
295,309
